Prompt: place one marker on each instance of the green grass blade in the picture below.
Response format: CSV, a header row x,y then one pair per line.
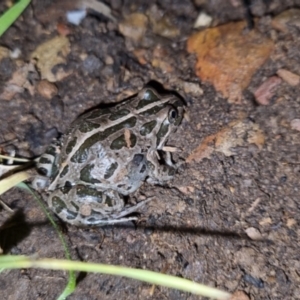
x,y
71,285
11,15
13,262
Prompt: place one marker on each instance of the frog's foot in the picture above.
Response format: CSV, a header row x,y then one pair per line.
x,y
131,209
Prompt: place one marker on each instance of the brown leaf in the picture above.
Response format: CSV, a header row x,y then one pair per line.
x,y
228,58
50,54
237,133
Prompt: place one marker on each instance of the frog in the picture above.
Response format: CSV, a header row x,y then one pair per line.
x,y
106,155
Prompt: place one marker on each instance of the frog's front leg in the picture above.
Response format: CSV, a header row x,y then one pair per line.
x,y
160,173
84,205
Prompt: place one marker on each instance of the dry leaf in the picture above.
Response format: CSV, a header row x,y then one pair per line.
x,y
50,54
237,133
228,58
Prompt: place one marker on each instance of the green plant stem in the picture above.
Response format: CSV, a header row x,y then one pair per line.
x,y
13,262
11,15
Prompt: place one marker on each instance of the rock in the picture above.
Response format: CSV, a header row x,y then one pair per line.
x,y
295,124
289,77
266,90
203,20
134,26
47,89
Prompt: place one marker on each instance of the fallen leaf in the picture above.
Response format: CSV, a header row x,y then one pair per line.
x,y
289,77
265,92
237,133
228,58
50,54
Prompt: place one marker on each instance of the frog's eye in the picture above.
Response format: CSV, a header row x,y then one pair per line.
x,y
172,115
149,95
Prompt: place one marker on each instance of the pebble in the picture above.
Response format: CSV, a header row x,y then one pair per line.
x,y
266,90
47,89
295,124
92,63
289,77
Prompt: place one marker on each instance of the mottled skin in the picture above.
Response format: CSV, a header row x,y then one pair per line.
x,y
107,154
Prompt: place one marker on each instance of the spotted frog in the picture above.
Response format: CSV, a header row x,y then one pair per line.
x,y
107,154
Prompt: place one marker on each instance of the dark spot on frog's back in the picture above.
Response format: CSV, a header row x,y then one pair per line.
x,y
71,145
87,126
64,172
148,97
85,174
153,111
137,159
81,154
119,114
45,160
58,204
96,113
110,171
118,143
148,127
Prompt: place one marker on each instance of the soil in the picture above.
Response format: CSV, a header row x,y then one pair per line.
x,y
196,226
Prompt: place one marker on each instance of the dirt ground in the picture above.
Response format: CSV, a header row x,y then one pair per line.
x,y
228,219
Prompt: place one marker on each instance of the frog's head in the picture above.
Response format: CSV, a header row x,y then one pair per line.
x,y
164,113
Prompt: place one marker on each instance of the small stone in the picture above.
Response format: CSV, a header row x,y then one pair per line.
x,y
192,88
239,295
47,89
109,60
63,29
165,28
92,64
134,26
203,20
266,90
253,234
295,124
289,77
85,210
